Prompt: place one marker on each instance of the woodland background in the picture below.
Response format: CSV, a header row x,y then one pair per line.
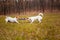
x,y
24,6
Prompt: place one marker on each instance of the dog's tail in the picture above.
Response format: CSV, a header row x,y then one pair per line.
x,y
41,14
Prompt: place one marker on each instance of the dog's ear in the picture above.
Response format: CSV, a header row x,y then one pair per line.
x,y
27,18
17,16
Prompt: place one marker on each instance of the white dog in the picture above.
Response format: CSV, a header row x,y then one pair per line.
x,y
10,19
38,17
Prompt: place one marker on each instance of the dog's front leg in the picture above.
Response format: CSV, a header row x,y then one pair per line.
x,y
32,21
17,21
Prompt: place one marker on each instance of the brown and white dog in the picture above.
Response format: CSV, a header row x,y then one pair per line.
x,y
38,17
10,19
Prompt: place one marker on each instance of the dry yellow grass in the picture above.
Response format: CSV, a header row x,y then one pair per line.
x,y
49,29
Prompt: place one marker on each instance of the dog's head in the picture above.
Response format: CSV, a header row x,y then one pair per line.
x,y
17,17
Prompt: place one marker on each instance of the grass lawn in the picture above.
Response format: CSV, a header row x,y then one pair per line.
x,y
49,29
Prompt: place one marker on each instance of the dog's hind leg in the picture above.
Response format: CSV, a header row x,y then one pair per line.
x,y
39,20
6,20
